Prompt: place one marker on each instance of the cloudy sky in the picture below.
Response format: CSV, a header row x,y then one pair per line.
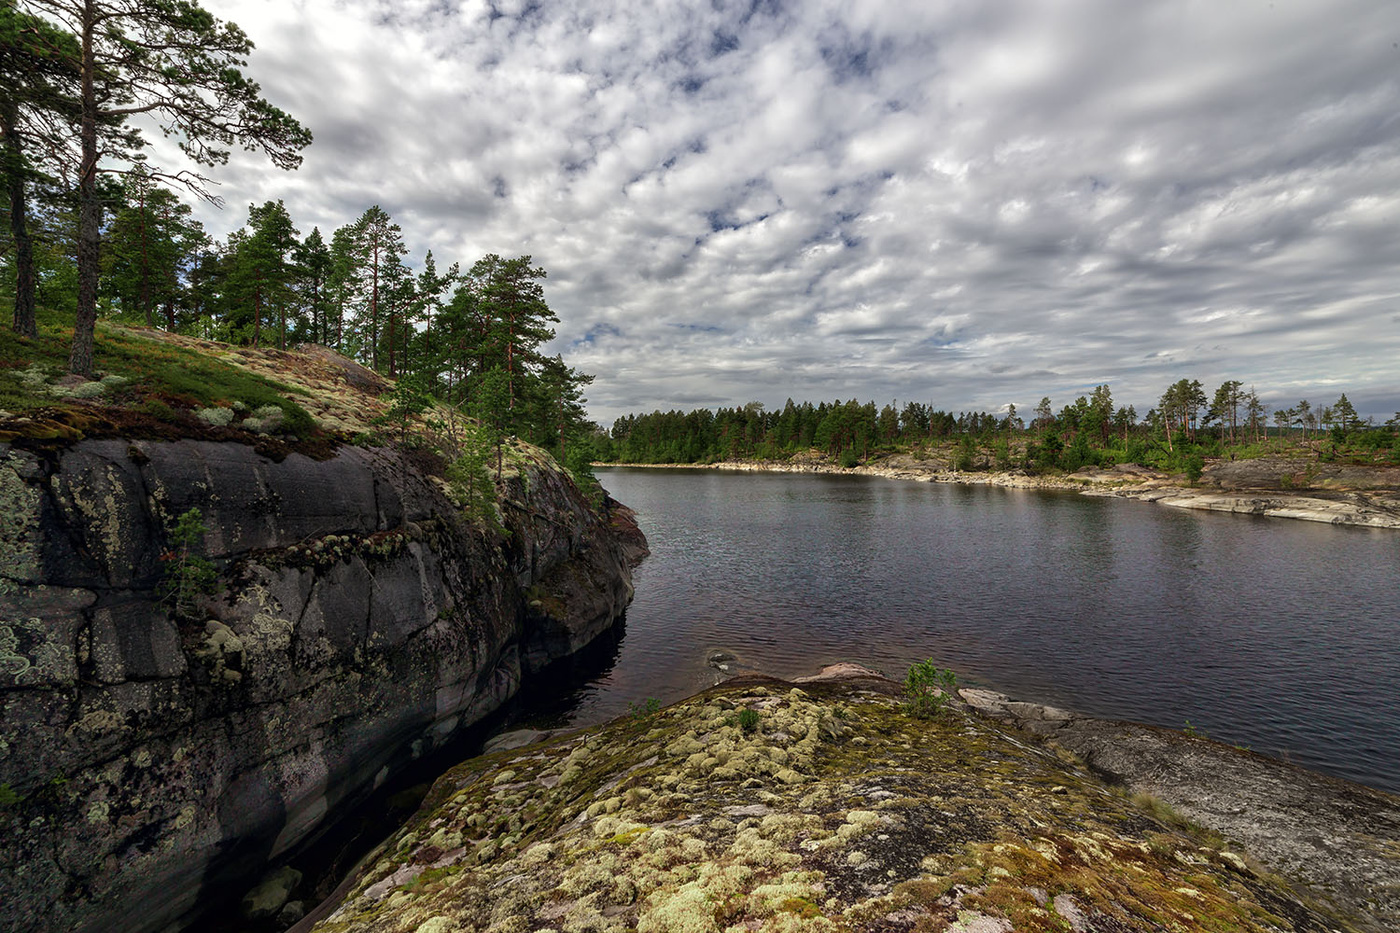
x,y
965,203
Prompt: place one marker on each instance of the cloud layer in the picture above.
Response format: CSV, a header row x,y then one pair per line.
x,y
962,203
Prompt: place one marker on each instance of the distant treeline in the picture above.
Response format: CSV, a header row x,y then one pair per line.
x,y
1184,428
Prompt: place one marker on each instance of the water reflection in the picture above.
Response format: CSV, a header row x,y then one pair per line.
x,y
1274,634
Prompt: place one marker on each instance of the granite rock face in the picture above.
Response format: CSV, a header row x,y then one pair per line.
x,y
360,623
829,807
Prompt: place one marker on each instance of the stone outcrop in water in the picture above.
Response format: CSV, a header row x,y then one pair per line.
x,y
825,806
146,762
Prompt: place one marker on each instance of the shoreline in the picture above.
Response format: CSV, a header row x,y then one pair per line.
x,y
1325,832
1371,508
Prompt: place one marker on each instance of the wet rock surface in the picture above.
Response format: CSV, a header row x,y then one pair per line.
x,y
762,805
151,764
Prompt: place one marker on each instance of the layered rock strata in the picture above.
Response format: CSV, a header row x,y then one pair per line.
x,y
147,761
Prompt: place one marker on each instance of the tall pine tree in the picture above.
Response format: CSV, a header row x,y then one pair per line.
x,y
174,62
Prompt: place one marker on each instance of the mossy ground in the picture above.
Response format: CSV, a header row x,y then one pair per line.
x,y
157,384
840,811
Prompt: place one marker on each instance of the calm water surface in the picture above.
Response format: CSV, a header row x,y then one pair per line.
x,y
1279,635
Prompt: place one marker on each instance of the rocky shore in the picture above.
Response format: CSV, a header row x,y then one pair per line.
x,y
826,805
1270,487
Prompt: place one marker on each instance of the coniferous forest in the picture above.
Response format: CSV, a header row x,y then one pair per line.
x,y
1178,434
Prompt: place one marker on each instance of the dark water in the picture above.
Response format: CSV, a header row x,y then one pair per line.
x,y
1279,635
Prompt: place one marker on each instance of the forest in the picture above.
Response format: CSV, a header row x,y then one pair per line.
x,y
95,231
1178,434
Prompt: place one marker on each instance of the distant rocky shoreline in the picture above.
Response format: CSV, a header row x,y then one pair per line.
x,y
1270,487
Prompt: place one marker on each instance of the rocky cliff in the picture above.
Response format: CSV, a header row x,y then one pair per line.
x,y
825,806
146,760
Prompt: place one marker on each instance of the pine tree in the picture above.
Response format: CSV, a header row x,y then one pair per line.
x,y
375,242
38,83
311,260
427,307
510,301
1225,406
261,275
151,240
1345,415
174,62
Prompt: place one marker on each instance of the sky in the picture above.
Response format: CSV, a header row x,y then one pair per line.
x,y
967,204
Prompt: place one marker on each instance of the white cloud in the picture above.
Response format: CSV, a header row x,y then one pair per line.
x,y
960,203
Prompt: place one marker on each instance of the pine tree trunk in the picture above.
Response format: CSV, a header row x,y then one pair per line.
x,y
145,267
374,311
80,357
24,321
392,332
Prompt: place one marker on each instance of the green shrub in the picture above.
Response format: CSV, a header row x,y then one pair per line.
x,y
469,478
188,574
1195,465
966,457
748,720
928,688
849,458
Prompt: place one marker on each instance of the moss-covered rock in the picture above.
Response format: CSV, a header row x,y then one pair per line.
x,y
840,811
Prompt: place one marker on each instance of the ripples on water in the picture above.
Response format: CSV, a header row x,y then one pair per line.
x,y
1279,635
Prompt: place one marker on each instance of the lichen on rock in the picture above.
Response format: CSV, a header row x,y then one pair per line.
x,y
361,622
681,822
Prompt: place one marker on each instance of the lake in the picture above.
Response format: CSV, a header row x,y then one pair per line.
x,y
1282,636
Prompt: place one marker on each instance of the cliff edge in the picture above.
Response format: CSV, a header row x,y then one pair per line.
x,y
149,757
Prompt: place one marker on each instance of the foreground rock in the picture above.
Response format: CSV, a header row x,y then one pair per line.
x,y
761,805
150,766
1340,836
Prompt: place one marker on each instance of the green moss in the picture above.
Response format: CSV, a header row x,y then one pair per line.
x,y
670,823
138,371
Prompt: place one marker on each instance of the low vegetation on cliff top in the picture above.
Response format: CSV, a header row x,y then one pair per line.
x,y
141,378
155,384
829,808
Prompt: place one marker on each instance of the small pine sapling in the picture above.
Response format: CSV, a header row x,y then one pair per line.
x,y
188,574
928,689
